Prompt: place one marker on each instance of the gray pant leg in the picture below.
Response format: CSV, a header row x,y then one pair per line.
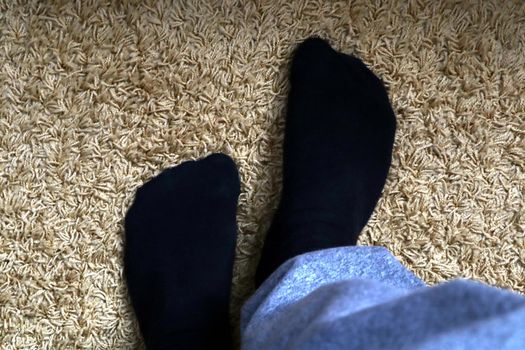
x,y
363,298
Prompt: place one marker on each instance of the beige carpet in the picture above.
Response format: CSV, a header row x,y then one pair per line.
x,y
96,98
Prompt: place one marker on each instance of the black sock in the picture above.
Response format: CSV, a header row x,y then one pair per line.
x,y
337,150
180,246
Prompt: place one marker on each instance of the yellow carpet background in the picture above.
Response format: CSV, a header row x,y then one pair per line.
x,y
98,97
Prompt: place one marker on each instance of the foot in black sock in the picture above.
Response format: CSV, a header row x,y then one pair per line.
x,y
337,150
180,246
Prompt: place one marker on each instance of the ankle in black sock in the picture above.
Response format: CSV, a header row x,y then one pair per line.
x,y
180,246
337,151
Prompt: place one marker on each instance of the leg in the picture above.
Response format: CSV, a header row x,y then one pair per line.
x,y
180,246
330,294
362,298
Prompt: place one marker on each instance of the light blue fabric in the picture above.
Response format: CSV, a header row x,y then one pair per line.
x,y
363,298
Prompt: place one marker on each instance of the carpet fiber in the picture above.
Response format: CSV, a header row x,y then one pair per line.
x,y
98,97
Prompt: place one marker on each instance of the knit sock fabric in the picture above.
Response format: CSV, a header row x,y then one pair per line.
x,y
337,151
180,246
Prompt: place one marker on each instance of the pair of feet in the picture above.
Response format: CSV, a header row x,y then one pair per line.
x,y
181,228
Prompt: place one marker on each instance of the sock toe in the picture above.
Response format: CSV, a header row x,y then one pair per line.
x,y
310,59
313,45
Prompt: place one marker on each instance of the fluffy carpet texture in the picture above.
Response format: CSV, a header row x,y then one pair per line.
x,y
98,97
